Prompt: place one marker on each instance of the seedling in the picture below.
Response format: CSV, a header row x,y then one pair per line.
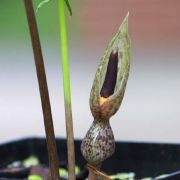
x,y
48,122
67,91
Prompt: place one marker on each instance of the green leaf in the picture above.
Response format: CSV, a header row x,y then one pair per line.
x,y
41,4
69,7
47,1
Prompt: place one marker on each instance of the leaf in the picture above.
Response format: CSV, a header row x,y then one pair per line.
x,y
41,4
69,7
47,1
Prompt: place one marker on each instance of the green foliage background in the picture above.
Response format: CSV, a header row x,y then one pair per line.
x,y
13,24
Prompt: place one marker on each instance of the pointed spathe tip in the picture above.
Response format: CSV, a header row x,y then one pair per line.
x,y
125,21
124,26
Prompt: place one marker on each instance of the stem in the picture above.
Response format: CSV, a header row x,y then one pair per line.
x,y
46,107
96,174
91,175
67,92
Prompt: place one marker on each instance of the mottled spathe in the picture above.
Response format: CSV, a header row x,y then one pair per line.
x,y
99,143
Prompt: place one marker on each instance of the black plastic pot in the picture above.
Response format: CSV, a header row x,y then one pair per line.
x,y
144,159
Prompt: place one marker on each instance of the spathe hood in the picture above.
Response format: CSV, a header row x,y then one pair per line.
x,y
103,108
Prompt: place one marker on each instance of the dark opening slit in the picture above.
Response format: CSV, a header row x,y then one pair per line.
x,y
111,75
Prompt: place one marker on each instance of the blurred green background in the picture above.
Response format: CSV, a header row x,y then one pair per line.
x,y
150,109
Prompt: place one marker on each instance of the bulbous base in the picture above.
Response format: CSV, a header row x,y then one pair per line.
x,y
99,143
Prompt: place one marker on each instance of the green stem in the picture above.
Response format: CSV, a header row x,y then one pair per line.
x,y
67,91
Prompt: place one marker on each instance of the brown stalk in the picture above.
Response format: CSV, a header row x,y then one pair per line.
x,y
94,173
43,88
70,142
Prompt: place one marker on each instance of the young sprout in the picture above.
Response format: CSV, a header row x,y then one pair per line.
x,y
67,90
106,96
66,84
